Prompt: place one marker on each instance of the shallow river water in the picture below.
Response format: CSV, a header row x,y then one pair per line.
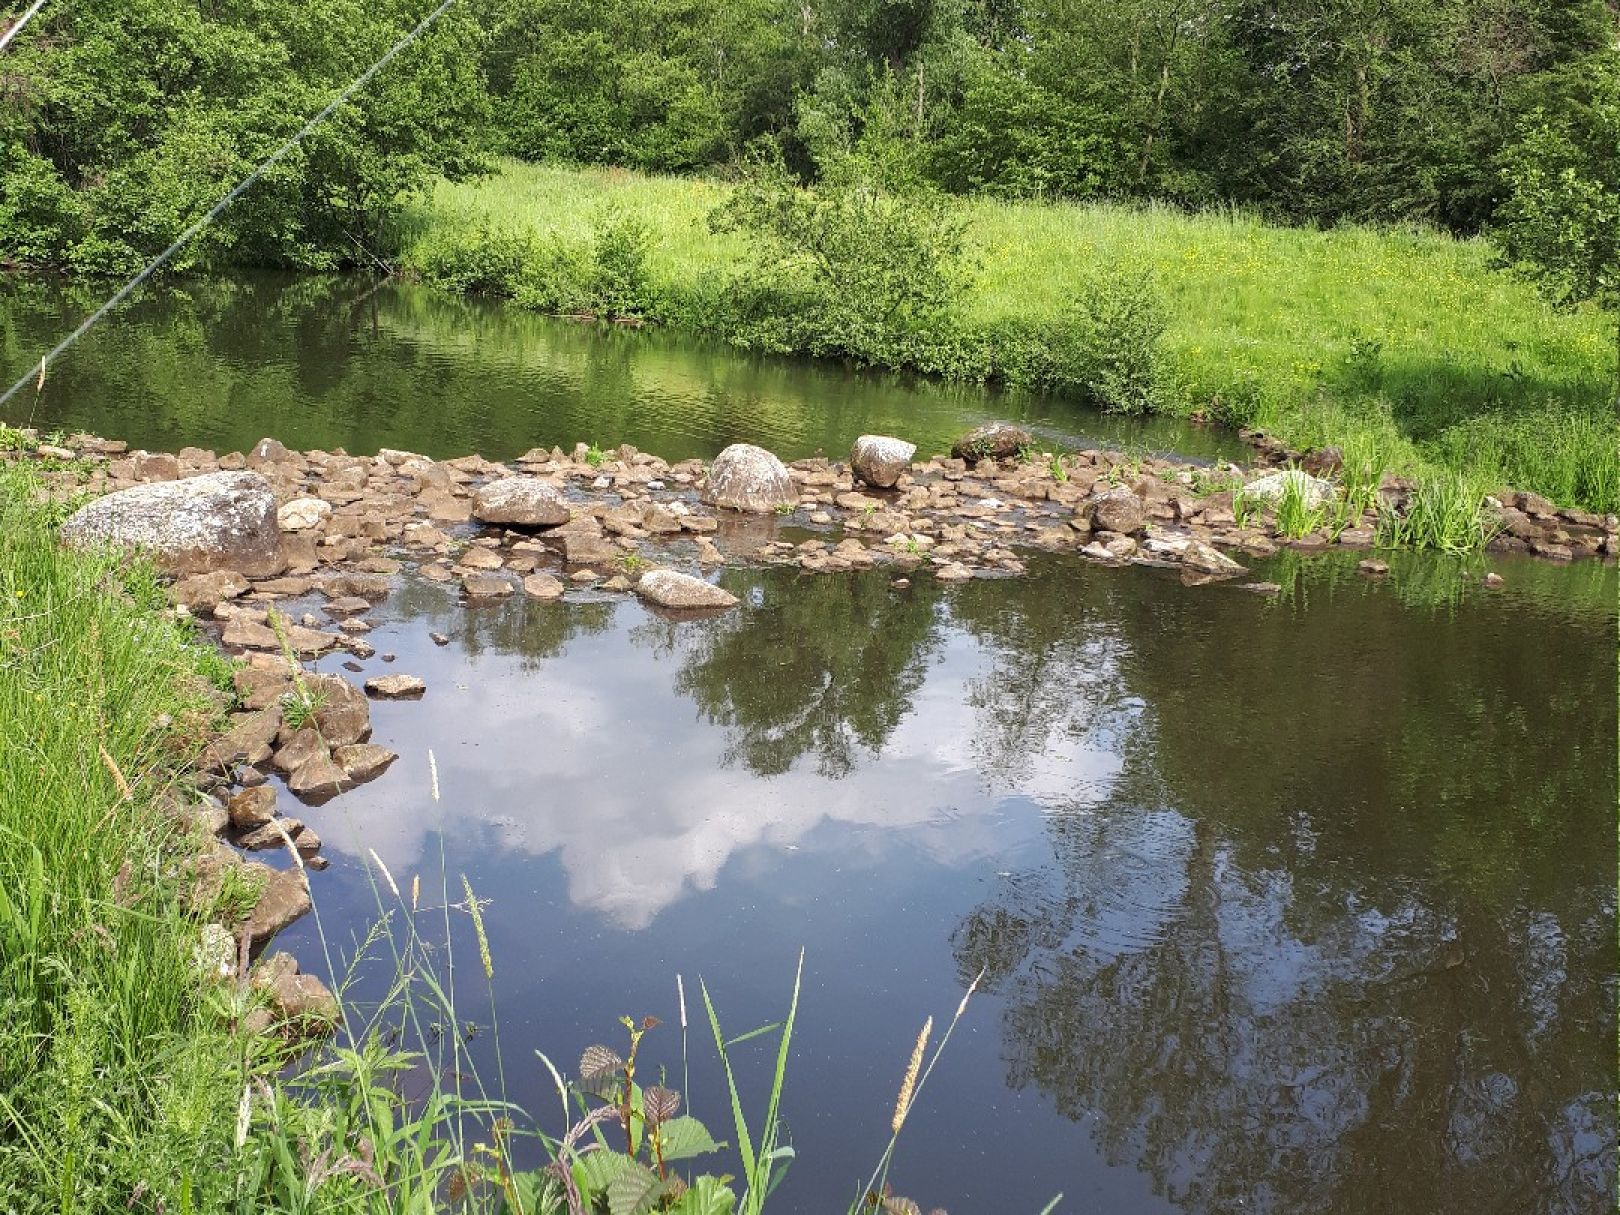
x,y
1291,904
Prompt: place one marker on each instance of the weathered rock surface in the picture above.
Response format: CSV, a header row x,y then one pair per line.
x,y
250,808
748,478
670,589
302,514
342,715
1272,487
521,502
1193,553
1117,510
317,779
395,687
543,587
362,761
373,588
204,592
244,632
216,521
485,586
879,460
284,899
992,441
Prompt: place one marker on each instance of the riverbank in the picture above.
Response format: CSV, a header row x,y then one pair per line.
x,y
1402,345
118,1077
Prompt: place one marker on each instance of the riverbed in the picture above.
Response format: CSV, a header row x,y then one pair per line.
x,y
1292,902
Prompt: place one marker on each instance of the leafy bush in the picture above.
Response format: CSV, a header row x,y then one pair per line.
x,y
1109,347
604,275
847,267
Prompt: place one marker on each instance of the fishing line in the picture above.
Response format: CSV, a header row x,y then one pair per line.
x,y
184,238
5,38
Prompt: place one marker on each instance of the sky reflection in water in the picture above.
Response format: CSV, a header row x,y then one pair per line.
x,y
1297,906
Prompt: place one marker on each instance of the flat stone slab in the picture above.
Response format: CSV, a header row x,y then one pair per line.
x,y
670,589
396,687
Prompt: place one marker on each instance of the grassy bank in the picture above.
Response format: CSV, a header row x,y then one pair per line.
x,y
1407,345
118,1085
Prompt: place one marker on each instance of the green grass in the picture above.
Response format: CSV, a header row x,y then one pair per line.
x,y
1406,340
118,1085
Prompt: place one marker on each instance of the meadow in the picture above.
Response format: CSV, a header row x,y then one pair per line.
x,y
1407,343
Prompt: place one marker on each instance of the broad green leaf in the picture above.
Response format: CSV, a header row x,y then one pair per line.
x,y
634,1191
706,1196
595,1171
685,1137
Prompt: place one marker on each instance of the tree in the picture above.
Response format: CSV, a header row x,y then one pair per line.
x,y
129,118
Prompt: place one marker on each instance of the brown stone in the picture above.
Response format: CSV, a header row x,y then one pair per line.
x,y
342,715
204,592
284,899
363,761
395,687
485,586
373,588
249,808
318,779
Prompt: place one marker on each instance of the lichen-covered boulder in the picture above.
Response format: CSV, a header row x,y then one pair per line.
x,y
1271,487
521,502
992,441
879,459
748,478
224,520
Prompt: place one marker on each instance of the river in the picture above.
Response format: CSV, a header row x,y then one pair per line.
x,y
1293,903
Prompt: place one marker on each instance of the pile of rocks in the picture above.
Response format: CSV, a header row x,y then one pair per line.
x,y
244,533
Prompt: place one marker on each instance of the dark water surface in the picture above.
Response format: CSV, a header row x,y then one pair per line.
x,y
1302,904
328,362
1290,906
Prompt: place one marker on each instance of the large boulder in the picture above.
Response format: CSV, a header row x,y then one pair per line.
x,y
521,502
992,441
879,460
224,520
670,589
748,478
1117,510
1272,487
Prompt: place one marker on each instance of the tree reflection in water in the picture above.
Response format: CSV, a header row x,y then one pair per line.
x,y
1341,937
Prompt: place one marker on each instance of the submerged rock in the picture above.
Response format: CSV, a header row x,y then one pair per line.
x,y
748,478
218,521
670,589
542,587
1193,553
521,502
880,460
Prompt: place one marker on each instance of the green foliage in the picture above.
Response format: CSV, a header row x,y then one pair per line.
x,y
603,275
849,267
1445,511
114,1073
1395,339
1561,221
1109,347
130,119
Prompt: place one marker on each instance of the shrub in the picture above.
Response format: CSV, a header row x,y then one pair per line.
x,y
1109,346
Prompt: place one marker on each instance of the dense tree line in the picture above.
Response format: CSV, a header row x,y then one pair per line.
x,y
120,119
1313,110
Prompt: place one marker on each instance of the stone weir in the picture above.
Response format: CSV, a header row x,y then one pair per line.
x,y
241,533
